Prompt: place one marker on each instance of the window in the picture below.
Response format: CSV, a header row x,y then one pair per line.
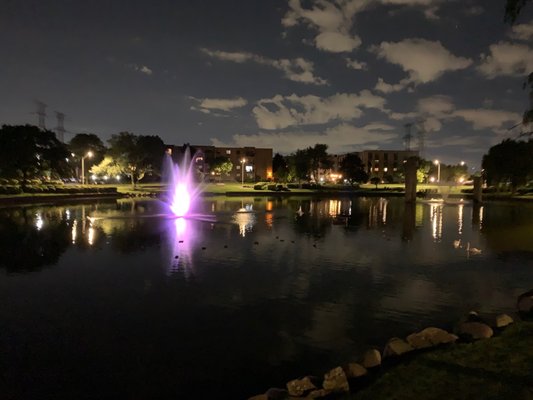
x,y
249,168
237,167
376,169
228,151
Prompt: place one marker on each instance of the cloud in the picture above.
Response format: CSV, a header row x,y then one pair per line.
x,y
507,59
437,105
474,10
140,68
522,31
341,138
283,111
424,60
297,69
357,65
333,21
206,105
482,118
384,87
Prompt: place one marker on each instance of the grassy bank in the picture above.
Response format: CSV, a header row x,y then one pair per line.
x,y
496,368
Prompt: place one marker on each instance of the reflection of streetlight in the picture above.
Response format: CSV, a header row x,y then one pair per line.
x,y
437,163
88,155
242,171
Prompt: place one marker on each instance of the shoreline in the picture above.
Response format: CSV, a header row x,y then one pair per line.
x,y
8,200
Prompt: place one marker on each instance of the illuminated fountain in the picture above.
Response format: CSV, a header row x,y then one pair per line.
x,y
182,188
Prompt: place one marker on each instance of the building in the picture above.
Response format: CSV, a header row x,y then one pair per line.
x,y
256,162
381,163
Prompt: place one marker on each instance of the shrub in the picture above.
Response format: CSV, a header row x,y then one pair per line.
x,y
259,186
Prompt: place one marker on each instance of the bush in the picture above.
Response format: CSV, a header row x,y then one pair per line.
x,y
4,181
14,182
259,186
10,189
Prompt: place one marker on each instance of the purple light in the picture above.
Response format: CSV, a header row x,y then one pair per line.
x,y
181,201
182,188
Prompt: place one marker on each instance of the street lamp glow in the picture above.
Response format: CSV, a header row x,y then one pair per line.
x,y
432,179
243,160
88,155
437,163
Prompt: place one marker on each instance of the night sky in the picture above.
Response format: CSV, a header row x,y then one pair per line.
x,y
279,73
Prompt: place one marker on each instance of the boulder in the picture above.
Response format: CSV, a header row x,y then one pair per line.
x,y
372,358
336,381
396,347
354,370
430,337
475,330
503,320
298,387
318,394
276,394
525,303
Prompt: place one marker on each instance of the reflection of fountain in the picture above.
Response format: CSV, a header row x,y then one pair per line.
x,y
246,222
180,239
436,220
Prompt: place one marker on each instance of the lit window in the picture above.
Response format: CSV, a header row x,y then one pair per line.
x,y
228,151
376,169
237,167
249,168
385,169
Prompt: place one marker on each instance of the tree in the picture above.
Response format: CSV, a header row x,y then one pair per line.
x,y
423,171
107,166
512,10
510,161
352,168
318,159
375,181
280,168
82,143
28,152
136,155
300,164
222,166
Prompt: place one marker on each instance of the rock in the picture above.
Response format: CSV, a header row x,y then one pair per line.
x,y
475,330
503,320
318,394
259,397
354,370
276,394
430,337
298,387
525,303
396,347
336,381
372,358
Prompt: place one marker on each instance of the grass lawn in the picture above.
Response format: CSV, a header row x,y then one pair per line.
x,y
496,368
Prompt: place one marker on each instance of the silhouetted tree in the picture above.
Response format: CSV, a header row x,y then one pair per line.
x,y
300,164
318,159
280,168
510,161
27,152
352,168
82,143
375,181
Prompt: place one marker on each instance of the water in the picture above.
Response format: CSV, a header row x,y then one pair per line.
x,y
117,306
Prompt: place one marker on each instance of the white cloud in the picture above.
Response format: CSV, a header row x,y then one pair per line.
x,y
332,20
384,87
341,138
522,31
297,69
482,118
423,60
435,105
140,68
283,111
507,59
206,105
357,65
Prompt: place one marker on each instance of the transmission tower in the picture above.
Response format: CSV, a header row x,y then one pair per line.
x,y
41,113
408,136
60,129
421,130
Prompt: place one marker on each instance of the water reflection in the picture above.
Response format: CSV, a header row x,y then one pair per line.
x,y
181,237
460,208
436,211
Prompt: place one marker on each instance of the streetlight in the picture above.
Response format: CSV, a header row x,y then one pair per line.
x,y
242,171
437,163
88,155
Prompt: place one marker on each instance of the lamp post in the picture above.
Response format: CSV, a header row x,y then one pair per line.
x,y
242,171
437,163
88,155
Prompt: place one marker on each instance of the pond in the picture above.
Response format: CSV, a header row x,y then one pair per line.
x,y
104,299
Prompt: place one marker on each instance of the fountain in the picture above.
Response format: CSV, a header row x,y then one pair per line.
x,y
182,188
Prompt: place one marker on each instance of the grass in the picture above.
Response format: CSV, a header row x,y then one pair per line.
x,y
497,368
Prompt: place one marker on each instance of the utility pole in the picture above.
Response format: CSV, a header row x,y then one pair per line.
x,y
408,136
60,129
41,114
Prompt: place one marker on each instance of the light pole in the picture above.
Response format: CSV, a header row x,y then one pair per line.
x,y
242,171
437,163
88,155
